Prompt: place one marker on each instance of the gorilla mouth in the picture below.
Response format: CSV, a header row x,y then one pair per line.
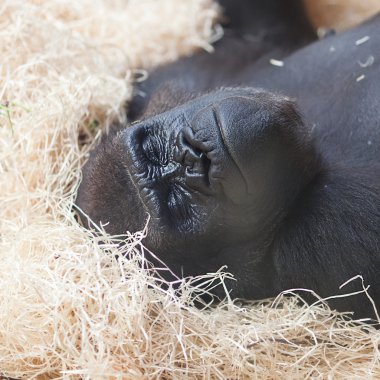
x,y
229,145
210,134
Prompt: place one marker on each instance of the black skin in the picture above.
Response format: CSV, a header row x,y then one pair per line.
x,y
230,172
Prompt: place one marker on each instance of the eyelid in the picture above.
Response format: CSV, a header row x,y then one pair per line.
x,y
154,149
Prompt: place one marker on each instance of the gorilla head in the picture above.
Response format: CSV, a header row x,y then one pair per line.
x,y
216,175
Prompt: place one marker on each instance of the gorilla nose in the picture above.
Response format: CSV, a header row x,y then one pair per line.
x,y
219,131
192,155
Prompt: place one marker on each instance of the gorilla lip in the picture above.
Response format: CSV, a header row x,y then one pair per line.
x,y
226,176
224,140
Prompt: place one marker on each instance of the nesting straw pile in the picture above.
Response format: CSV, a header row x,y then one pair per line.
x,y
68,308
341,14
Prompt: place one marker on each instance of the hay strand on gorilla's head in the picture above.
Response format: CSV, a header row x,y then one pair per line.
x,y
69,309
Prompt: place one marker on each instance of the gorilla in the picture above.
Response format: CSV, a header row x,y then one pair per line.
x,y
263,157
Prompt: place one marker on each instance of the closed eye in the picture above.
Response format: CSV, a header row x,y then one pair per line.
x,y
155,149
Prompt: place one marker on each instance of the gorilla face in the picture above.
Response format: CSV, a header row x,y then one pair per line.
x,y
217,172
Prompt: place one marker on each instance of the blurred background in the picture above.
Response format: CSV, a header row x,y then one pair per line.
x,y
340,14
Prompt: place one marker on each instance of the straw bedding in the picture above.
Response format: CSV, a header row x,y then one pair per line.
x,y
340,14
68,308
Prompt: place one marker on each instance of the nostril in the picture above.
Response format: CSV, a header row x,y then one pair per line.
x,y
188,149
192,154
199,182
189,158
198,146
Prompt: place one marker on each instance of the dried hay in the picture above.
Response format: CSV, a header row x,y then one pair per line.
x,y
341,14
68,308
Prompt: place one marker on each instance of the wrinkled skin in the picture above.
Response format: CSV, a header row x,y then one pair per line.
x,y
235,176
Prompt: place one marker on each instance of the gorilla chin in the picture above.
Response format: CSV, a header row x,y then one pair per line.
x,y
217,175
